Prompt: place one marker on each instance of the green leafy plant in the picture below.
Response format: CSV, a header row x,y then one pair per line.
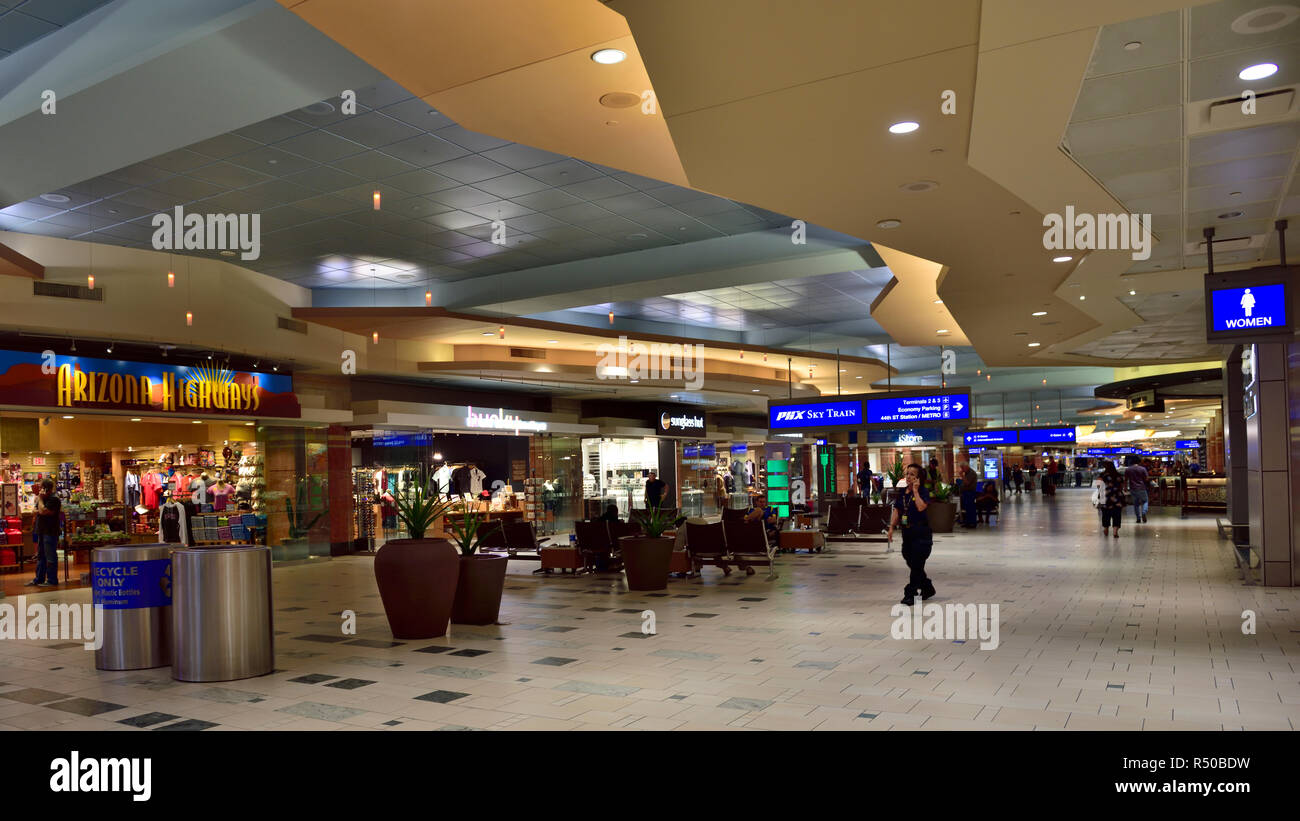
x,y
875,498
298,524
654,521
940,492
468,531
895,473
419,510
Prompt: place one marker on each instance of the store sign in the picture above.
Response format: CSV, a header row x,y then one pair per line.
x,y
677,421
990,437
708,451
815,414
501,421
1252,304
935,408
1188,444
404,440
1046,436
905,437
739,448
31,379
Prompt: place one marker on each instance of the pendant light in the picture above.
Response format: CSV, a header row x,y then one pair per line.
x,y
189,318
90,281
375,336
428,298
376,199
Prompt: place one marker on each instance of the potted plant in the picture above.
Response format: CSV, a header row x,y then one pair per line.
x,y
417,577
482,578
895,475
646,557
941,512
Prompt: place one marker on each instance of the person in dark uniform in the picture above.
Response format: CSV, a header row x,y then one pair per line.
x,y
865,487
654,491
909,514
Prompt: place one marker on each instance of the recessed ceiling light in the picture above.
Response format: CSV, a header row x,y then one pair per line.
x,y
248,424
905,127
196,422
1062,259
1230,215
1034,344
753,390
1234,193
942,331
636,236
634,381
69,417
1258,71
136,419
938,302
227,253
857,377
919,186
619,99
890,223
1039,313
405,277
1132,292
1269,18
608,56
1082,297
318,109
1133,45
54,197
552,342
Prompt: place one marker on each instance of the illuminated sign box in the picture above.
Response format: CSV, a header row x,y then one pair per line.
x,y
1047,436
815,414
1188,444
1252,305
990,437
932,408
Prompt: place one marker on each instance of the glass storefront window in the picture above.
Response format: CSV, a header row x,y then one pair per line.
x,y
615,472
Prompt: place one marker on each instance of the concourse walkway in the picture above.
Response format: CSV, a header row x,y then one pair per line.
x,y
1140,632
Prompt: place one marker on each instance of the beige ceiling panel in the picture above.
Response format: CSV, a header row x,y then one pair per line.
x,y
555,105
735,49
907,309
1008,22
432,46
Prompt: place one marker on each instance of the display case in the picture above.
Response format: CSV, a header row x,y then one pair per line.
x,y
1205,493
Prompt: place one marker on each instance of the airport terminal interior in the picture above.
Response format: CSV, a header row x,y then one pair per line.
x,y
649,365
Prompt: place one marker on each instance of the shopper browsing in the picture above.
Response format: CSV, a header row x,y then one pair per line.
x,y
45,533
909,514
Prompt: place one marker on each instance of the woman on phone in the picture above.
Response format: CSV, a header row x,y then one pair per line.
x,y
909,514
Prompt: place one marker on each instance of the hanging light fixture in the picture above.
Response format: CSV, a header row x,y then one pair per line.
x,y
611,316
428,297
90,281
375,337
376,197
171,280
501,332
189,318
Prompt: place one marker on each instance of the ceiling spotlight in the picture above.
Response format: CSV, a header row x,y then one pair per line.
x,y
552,342
1062,259
1082,297
905,127
942,331
1258,71
937,301
1230,215
136,419
634,381
487,333
69,417
1133,45
275,367
74,346
608,56
1034,344
753,390
1132,292
109,349
1039,313
857,377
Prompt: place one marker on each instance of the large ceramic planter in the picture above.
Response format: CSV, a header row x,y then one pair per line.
x,y
941,516
478,595
646,560
417,583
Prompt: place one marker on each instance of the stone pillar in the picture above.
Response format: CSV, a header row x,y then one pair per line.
x,y
1269,462
1234,447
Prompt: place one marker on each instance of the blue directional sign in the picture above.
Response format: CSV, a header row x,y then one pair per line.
x,y
1188,444
1243,309
937,408
1046,436
990,437
815,414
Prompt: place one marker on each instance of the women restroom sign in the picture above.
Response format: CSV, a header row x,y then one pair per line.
x,y
1247,305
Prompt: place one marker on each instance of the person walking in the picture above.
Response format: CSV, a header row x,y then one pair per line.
x,y
864,479
1112,505
968,482
1137,477
1018,478
654,491
45,533
909,514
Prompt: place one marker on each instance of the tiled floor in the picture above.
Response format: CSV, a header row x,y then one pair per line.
x,y
1140,632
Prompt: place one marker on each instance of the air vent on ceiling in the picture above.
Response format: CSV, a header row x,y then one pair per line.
x,y
67,291
528,353
1269,106
295,325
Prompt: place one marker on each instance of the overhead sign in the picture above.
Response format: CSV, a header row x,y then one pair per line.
x,y
990,437
1047,436
1188,444
1142,401
36,380
501,421
1253,304
932,408
679,421
815,414
905,436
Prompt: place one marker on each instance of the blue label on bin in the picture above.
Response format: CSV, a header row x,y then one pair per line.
x,y
133,585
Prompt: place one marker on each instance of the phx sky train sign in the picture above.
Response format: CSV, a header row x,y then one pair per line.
x,y
50,381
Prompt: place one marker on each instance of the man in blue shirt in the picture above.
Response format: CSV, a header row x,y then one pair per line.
x,y
909,514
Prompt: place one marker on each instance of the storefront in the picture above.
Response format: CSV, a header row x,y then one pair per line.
x,y
617,464
127,442
497,462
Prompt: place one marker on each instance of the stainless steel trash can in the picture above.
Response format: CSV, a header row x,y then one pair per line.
x,y
133,585
221,613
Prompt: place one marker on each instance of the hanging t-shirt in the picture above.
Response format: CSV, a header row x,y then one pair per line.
x,y
173,525
442,479
460,480
476,478
219,495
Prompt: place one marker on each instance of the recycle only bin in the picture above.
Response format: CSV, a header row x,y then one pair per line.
x,y
133,585
221,613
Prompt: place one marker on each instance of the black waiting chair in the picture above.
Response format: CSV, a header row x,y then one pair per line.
x,y
707,544
748,546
